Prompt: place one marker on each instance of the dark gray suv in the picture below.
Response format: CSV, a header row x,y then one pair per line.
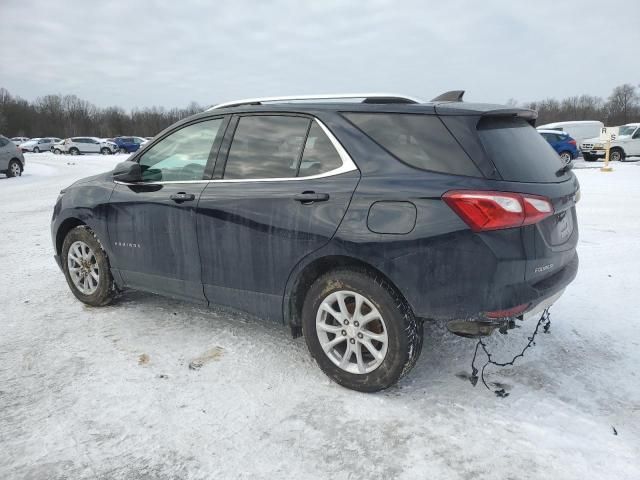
x,y
351,223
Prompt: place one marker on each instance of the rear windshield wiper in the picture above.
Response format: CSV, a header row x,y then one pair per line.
x,y
564,169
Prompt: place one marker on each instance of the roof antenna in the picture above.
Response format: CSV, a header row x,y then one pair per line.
x,y
450,96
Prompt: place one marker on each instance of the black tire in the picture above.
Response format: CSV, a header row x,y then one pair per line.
x,y
57,151
105,151
122,150
566,157
36,150
106,290
588,158
404,331
616,155
74,151
14,169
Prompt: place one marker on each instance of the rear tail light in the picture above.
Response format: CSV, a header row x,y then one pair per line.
x,y
484,211
572,142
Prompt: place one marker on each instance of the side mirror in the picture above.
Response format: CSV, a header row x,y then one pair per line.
x,y
129,172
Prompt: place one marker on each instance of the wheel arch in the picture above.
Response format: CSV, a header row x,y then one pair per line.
x,y
303,277
65,227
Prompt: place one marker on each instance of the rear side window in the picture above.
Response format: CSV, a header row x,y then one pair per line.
x,y
266,146
518,151
421,141
320,156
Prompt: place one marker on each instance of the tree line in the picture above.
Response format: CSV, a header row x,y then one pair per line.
x,y
69,116
622,106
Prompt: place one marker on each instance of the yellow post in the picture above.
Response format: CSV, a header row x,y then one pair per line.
x,y
606,167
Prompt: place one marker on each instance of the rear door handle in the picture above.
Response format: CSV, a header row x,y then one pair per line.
x,y
182,197
307,198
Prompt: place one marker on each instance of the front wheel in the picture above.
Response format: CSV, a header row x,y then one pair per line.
x,y
122,150
105,151
588,158
74,151
36,150
57,151
360,331
86,267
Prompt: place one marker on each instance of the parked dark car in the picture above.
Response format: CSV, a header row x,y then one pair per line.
x,y
129,144
561,143
350,222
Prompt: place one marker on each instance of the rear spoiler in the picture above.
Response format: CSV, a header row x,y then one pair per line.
x,y
529,115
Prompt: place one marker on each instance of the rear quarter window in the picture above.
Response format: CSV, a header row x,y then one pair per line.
x,y
421,141
519,152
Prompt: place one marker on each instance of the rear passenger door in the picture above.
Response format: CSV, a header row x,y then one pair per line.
x,y
281,186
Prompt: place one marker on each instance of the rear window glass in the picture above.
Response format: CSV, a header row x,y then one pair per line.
x,y
519,152
421,141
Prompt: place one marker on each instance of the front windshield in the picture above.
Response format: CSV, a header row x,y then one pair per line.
x,y
627,130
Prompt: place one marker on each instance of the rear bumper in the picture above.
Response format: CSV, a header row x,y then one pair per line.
x,y
544,293
467,300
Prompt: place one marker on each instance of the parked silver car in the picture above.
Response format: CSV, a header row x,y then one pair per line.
x,y
18,140
58,147
11,158
78,145
37,145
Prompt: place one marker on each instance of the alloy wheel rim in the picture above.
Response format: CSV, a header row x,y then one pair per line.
x,y
83,267
565,157
15,169
352,332
615,156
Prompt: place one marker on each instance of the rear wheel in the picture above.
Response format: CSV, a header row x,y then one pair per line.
x,y
36,150
122,150
360,330
616,155
566,157
15,169
86,267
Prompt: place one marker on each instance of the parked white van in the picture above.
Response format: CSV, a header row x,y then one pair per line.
x,y
578,130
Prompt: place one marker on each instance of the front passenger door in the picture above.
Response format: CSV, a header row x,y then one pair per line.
x,y
152,223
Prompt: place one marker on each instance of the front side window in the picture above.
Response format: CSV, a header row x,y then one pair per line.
x,y
183,155
275,146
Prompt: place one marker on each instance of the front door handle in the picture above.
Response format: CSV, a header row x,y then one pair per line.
x,y
307,198
182,197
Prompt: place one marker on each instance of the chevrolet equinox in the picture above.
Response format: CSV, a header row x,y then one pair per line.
x,y
351,222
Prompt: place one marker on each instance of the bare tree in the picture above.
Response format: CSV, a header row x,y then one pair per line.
x,y
622,104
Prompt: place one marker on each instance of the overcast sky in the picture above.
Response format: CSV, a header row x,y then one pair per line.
x,y
140,53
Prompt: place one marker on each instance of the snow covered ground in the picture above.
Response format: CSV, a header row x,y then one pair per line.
x,y
107,393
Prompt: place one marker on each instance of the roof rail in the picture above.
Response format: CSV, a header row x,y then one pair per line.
x,y
367,98
450,96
